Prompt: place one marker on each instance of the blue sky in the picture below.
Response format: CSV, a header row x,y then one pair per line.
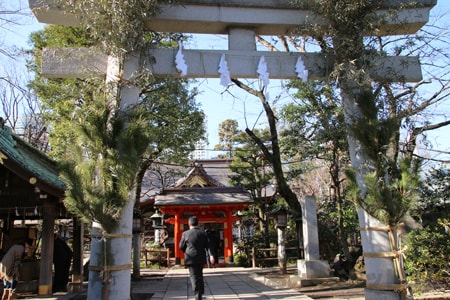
x,y
220,104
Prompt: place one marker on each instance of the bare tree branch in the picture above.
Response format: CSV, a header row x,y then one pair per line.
x,y
266,44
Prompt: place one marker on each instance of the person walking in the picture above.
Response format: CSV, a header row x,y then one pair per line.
x,y
9,268
194,244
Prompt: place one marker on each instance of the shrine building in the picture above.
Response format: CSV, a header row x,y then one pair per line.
x,y
215,204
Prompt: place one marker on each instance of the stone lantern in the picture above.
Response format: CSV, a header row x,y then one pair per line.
x,y
280,215
157,219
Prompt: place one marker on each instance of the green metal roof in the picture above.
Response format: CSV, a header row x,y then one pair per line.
x,y
29,163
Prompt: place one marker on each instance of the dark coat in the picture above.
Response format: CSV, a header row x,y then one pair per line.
x,y
194,244
62,254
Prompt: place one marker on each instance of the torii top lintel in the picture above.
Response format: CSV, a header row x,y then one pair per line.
x,y
265,17
241,20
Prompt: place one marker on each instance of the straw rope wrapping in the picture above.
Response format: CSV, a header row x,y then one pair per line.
x,y
398,258
105,269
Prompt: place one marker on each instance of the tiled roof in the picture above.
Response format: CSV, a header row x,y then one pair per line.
x,y
199,188
30,164
201,198
197,176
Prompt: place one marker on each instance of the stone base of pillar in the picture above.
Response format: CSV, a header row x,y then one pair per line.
x,y
313,268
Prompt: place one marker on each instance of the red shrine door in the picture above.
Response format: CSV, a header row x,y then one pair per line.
x,y
222,226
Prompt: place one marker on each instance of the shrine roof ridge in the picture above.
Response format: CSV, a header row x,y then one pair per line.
x,y
204,190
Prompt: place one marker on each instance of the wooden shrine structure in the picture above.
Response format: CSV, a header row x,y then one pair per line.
x,y
30,191
211,201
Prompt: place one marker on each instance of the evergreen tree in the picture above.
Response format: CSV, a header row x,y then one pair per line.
x,y
313,141
227,131
427,264
383,184
251,170
105,147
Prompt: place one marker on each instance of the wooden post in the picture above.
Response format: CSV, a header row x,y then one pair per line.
x,y
228,238
77,244
177,239
253,257
168,257
48,239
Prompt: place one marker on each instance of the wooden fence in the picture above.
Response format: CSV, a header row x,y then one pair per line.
x,y
158,256
271,254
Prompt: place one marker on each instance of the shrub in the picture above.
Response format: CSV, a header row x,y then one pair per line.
x,y
427,256
241,260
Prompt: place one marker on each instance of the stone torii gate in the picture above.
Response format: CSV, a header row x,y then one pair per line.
x,y
241,20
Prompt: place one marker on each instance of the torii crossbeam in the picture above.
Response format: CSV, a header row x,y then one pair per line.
x,y
241,20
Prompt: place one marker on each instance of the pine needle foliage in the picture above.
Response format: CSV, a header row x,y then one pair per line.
x,y
391,183
100,164
120,24
98,144
347,22
388,202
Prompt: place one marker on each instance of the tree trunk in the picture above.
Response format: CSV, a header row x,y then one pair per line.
x,y
299,235
341,233
136,256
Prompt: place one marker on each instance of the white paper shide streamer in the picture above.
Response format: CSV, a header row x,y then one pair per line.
x,y
180,63
262,71
300,69
225,79
263,75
